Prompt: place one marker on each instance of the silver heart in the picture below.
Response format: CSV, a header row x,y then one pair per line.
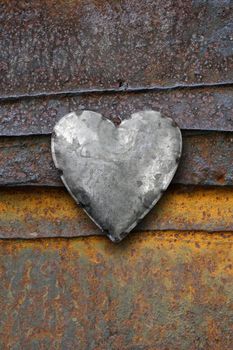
x,y
117,174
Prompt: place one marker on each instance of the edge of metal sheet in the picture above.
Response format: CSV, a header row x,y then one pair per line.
x,y
199,109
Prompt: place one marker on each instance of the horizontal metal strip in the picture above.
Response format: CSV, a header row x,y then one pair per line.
x,y
203,109
54,46
163,290
38,212
206,160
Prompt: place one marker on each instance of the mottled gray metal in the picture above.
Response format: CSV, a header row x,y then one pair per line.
x,y
49,46
118,173
209,108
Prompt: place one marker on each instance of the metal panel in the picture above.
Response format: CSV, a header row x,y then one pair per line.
x,y
57,46
206,159
37,212
206,109
158,291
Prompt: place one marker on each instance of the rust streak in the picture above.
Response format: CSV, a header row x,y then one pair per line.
x,y
37,212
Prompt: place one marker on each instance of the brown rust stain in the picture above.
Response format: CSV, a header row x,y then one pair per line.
x,y
57,46
161,290
206,160
37,212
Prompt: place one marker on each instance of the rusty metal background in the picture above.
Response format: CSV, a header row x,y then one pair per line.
x,y
39,212
158,291
57,46
206,160
206,109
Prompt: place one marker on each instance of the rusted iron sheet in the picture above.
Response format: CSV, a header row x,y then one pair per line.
x,y
202,109
27,161
39,212
57,46
206,160
165,290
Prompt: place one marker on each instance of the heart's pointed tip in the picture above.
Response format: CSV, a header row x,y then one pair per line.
x,y
115,239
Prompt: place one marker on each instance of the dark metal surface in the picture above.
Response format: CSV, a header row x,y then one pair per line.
x,y
206,159
158,291
56,46
39,212
116,173
206,109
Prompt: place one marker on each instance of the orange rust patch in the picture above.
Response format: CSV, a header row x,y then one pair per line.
x,y
39,212
160,290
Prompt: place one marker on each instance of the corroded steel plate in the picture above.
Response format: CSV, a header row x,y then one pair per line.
x,y
209,108
37,212
118,173
170,290
57,46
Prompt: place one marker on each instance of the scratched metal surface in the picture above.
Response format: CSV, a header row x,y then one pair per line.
x,y
39,212
57,46
206,160
160,291
199,108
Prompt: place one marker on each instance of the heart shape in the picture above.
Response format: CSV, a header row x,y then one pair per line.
x,y
117,174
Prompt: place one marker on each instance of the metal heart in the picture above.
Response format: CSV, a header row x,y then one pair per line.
x,y
117,174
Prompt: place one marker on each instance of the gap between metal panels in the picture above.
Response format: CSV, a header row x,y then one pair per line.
x,y
124,89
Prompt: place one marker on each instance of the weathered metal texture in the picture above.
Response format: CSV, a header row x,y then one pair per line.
x,y
38,212
158,291
199,108
116,173
206,160
60,46
27,161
